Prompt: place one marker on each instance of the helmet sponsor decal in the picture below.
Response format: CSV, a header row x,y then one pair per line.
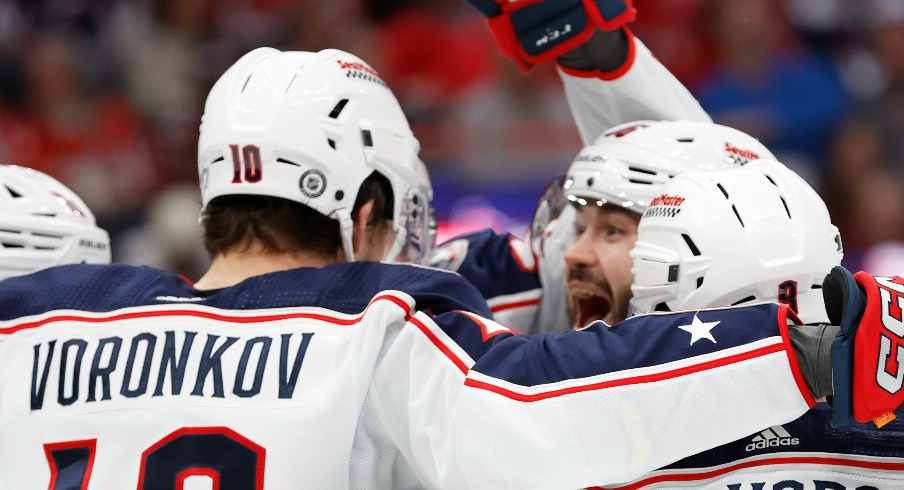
x,y
356,69
664,206
312,183
92,244
585,157
739,155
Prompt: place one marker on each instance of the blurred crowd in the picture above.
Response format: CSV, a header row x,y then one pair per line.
x,y
106,96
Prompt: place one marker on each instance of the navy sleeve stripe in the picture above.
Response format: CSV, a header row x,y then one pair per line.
x,y
165,311
833,462
551,391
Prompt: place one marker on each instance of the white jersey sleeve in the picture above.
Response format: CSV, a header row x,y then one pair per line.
x,y
644,89
472,406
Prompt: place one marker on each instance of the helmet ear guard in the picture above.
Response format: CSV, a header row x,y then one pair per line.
x,y
749,234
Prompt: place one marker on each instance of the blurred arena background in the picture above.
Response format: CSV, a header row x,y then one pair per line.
x,y
106,95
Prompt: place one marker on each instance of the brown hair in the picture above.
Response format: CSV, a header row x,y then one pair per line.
x,y
233,223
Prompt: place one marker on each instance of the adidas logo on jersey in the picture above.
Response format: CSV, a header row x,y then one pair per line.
x,y
772,437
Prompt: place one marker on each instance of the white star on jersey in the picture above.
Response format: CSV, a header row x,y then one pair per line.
x,y
699,330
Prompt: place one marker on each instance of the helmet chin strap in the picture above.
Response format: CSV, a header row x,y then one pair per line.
x,y
398,243
346,228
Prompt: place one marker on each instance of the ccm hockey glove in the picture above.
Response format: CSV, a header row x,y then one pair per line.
x,y
536,31
868,353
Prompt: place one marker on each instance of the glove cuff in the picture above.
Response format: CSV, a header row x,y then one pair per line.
x,y
537,31
576,65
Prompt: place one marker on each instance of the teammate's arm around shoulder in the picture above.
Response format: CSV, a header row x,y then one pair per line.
x,y
471,404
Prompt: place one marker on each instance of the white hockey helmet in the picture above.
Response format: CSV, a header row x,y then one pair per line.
x,y
627,165
310,128
43,223
735,236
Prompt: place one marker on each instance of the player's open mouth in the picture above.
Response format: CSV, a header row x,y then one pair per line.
x,y
589,304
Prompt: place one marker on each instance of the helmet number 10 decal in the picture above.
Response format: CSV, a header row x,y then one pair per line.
x,y
247,161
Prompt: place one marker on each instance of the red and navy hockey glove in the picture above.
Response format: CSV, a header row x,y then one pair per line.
x,y
536,31
868,353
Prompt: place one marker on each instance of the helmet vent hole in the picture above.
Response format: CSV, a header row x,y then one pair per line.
x,y
684,140
331,142
338,109
638,181
12,192
816,286
218,159
744,300
12,245
642,170
785,203
4,230
283,160
245,85
662,307
368,138
724,192
699,282
733,208
770,180
690,244
673,273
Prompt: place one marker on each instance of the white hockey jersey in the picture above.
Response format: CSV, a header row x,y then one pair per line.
x,y
360,375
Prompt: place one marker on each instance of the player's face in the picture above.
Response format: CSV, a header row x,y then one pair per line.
x,y
597,264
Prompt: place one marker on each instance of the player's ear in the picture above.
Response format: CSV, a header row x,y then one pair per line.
x,y
359,230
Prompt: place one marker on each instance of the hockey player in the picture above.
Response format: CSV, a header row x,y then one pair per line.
x,y
742,236
610,79
297,361
43,223
611,183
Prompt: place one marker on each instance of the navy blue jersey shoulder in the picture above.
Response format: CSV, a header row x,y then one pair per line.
x,y
490,265
638,342
345,288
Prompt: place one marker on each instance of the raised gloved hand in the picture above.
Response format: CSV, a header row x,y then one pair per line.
x,y
537,31
868,353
